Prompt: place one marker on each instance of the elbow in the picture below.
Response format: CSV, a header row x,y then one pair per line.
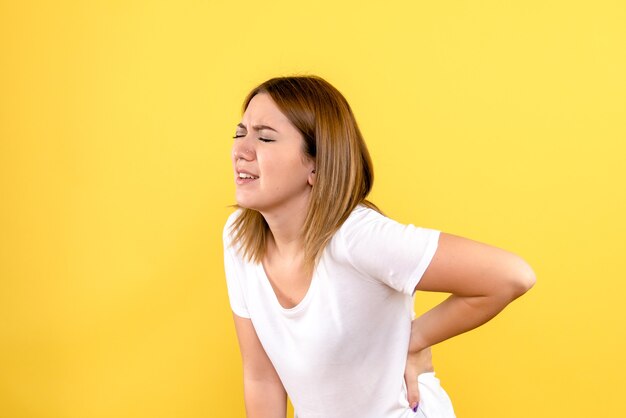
x,y
523,280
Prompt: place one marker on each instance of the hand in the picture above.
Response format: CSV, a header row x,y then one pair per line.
x,y
417,362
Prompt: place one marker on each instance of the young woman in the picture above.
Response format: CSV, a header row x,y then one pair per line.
x,y
321,283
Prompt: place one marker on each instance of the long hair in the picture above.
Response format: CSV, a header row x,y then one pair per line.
x,y
344,171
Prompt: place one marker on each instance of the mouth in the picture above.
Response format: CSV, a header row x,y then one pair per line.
x,y
244,178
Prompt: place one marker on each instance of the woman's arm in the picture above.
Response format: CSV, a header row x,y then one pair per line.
x,y
264,394
482,279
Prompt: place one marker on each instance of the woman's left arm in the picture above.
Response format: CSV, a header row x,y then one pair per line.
x,y
482,280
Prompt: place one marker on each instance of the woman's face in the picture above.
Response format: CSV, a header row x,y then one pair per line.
x,y
271,169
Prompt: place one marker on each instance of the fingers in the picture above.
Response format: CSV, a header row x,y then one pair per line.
x,y
417,362
413,393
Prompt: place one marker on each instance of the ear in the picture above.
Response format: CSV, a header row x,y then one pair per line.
x,y
311,178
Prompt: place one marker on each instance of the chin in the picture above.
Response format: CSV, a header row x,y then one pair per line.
x,y
246,204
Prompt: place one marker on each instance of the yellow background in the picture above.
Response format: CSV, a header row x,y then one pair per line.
x,y
504,122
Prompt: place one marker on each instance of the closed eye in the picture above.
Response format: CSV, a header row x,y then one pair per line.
x,y
260,139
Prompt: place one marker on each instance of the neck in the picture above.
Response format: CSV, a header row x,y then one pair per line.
x,y
285,224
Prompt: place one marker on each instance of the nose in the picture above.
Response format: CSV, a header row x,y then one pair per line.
x,y
243,149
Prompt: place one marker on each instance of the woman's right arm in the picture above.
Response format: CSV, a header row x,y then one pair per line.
x,y
264,394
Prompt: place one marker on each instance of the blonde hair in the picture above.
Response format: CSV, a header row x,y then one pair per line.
x,y
344,171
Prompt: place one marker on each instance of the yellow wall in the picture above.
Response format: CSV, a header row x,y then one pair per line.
x,y
500,121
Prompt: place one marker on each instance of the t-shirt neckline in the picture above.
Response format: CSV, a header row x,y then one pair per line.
x,y
305,300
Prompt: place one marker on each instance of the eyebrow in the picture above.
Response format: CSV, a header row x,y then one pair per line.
x,y
257,127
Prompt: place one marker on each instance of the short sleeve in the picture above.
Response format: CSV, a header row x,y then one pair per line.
x,y
235,273
386,250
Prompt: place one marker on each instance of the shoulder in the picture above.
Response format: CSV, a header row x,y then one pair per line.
x,y
361,218
359,225
362,213
367,227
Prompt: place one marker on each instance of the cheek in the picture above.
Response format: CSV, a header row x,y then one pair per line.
x,y
281,162
276,162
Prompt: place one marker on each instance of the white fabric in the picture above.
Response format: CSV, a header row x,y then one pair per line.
x,y
342,350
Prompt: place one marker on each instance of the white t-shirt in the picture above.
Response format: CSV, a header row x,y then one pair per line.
x,y
341,352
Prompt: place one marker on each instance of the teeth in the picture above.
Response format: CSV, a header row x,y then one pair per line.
x,y
246,176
